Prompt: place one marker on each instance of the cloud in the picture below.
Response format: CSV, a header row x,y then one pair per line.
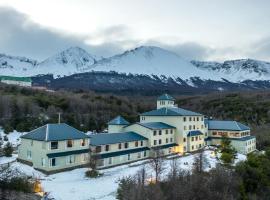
x,y
21,36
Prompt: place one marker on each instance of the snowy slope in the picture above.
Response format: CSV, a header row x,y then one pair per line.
x,y
71,61
147,60
14,65
151,61
237,70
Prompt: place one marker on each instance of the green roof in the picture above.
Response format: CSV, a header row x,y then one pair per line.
x,y
194,133
166,97
113,138
246,138
156,125
118,121
165,146
14,78
171,111
55,132
226,125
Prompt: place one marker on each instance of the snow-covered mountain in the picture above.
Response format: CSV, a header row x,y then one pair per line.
x,y
71,61
151,61
237,70
147,60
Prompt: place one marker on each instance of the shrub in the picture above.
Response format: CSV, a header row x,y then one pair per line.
x,y
17,183
92,173
8,149
7,128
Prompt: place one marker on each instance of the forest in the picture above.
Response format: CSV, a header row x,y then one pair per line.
x,y
25,109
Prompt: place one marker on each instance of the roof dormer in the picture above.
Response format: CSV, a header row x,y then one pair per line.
x,y
165,101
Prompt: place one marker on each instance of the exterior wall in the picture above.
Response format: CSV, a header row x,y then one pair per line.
x,y
40,149
182,127
20,83
117,160
195,143
228,133
164,103
115,128
168,138
243,147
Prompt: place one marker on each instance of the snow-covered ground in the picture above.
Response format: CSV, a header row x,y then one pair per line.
x,y
13,137
74,184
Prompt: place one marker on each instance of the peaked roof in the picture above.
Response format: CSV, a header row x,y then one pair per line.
x,y
55,132
156,125
113,138
226,125
171,111
194,133
119,120
166,97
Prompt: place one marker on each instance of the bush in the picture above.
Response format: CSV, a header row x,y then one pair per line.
x,y
92,173
227,158
8,128
17,183
8,149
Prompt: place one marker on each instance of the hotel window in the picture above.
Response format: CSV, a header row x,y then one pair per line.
x,y
192,147
155,142
197,118
190,119
126,145
43,162
194,127
144,154
192,138
194,119
136,144
160,132
214,133
54,145
201,118
184,119
84,157
167,132
83,142
184,139
159,141
69,143
70,159
100,162
119,146
155,133
196,138
29,154
171,139
190,127
185,148
107,148
167,140
202,126
185,128
141,143
139,155
110,161
171,131
128,156
98,149
53,162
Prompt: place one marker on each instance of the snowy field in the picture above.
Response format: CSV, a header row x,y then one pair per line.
x,y
13,137
63,186
74,185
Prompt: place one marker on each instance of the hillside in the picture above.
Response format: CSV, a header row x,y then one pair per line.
x,y
25,109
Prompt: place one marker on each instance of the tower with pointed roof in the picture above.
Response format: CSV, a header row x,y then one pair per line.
x,y
116,125
165,101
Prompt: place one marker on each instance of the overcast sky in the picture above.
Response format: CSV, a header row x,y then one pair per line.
x,y
194,29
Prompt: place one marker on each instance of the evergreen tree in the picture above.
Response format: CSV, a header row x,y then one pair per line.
x,y
8,149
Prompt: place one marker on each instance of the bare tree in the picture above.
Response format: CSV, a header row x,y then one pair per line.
x,y
157,162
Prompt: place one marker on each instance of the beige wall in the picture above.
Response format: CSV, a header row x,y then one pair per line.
x,y
20,83
182,127
40,149
115,128
229,134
